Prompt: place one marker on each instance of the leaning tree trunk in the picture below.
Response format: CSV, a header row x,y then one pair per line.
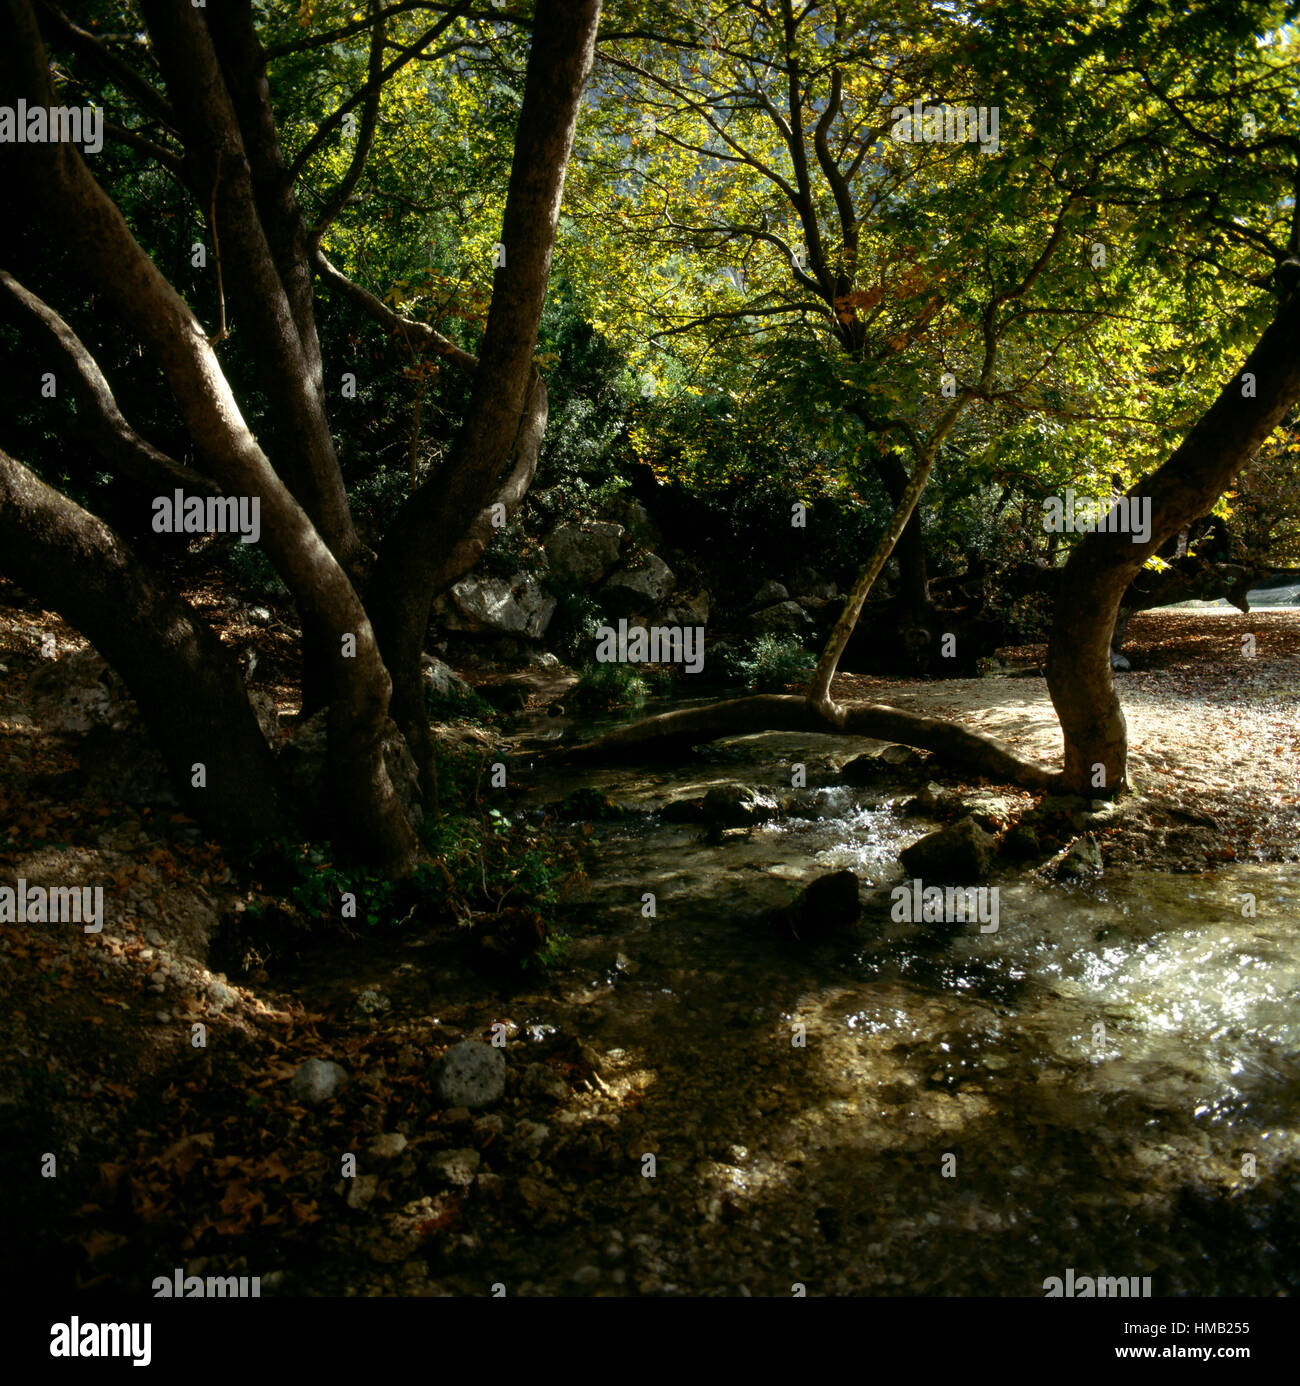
x,y
913,585
819,688
1100,569
185,681
436,519
370,820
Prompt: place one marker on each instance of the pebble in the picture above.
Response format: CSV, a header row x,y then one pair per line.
x,y
387,1146
363,1189
471,1074
455,1168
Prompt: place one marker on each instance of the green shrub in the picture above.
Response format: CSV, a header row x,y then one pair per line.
x,y
769,663
253,571
572,631
604,687
376,499
458,706
488,863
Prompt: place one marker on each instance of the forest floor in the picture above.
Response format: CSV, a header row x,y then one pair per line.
x,y
168,1152
1213,733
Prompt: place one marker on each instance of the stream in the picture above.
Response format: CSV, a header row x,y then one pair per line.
x,y
1109,1082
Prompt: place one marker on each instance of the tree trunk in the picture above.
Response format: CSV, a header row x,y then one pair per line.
x,y
789,712
1101,567
186,683
913,586
438,517
58,183
819,689
288,369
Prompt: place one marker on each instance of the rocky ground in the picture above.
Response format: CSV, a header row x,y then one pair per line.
x,y
1214,735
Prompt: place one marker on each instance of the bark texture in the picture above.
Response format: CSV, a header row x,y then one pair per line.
x,y
186,683
1185,487
414,560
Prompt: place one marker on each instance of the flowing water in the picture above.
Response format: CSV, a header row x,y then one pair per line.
x,y
1108,1082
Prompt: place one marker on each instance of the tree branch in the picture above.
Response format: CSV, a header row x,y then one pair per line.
x,y
116,439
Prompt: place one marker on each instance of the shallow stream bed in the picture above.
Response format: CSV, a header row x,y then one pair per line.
x,y
1110,1081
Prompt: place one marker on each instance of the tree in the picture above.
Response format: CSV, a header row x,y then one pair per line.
x,y
216,132
1111,141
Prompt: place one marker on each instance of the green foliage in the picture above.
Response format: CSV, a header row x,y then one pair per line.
x,y
768,663
572,632
376,499
1028,619
553,952
607,687
307,874
487,863
458,706
252,570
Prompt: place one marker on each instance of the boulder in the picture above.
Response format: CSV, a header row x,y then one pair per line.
x,y
955,855
80,692
688,609
508,606
929,800
829,906
316,1081
783,618
737,806
904,757
637,586
769,594
267,714
1021,843
584,552
1082,858
470,1074
441,680
808,584
991,811
634,517
887,763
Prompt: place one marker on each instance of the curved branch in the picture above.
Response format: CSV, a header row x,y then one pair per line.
x,y
417,335
185,680
120,72
790,712
467,551
117,440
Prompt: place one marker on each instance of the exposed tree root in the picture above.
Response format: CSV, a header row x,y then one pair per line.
x,y
954,744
